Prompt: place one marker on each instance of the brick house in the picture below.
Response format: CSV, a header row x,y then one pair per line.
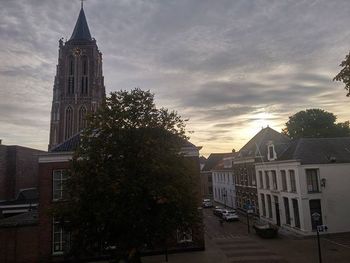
x,y
52,166
251,153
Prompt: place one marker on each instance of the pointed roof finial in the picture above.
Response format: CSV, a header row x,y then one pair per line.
x,y
81,30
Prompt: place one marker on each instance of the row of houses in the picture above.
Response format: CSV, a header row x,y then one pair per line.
x,y
294,184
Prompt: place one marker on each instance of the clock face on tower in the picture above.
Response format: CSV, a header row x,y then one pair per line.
x,y
77,52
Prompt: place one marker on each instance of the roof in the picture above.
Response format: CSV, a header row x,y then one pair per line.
x,y
257,146
81,30
73,142
26,219
214,159
318,150
28,194
220,166
25,196
68,145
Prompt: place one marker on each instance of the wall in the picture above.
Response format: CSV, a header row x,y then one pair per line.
x,y
45,201
18,170
223,180
19,244
335,211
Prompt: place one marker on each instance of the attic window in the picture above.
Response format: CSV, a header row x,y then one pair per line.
x,y
271,152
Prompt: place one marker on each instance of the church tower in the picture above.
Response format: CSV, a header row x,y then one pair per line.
x,y
79,85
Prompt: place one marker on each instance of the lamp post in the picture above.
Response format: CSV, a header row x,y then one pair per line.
x,y
319,228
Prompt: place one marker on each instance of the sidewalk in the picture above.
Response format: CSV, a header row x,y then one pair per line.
x,y
211,254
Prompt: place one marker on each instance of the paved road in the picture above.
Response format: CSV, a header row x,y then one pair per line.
x,y
233,240
231,243
239,246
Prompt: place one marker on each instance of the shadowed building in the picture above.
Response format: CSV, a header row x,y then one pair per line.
x,y
255,151
79,85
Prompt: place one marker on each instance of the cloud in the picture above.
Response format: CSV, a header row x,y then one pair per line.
x,y
229,66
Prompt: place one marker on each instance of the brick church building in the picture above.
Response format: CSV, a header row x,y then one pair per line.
x,y
78,90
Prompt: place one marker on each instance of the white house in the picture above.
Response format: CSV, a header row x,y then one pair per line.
x,y
308,185
223,182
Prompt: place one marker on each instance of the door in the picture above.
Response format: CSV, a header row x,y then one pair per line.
x,y
315,213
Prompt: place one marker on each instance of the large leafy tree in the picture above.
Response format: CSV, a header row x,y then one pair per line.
x,y
344,74
129,183
315,123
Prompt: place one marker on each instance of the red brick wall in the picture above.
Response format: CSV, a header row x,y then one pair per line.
x,y
45,221
19,244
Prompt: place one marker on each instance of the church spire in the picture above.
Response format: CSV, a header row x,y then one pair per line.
x,y
81,29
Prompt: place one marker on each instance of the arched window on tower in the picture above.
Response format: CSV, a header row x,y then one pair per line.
x,y
69,123
71,71
56,113
82,118
84,76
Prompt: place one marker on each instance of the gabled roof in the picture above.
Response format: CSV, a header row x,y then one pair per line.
x,y
318,150
81,30
257,146
71,144
213,160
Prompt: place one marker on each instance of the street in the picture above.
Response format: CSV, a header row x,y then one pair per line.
x,y
233,239
231,243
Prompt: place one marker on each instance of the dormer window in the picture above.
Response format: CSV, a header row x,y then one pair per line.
x,y
271,153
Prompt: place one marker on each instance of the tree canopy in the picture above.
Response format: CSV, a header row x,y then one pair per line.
x,y
315,123
344,74
129,183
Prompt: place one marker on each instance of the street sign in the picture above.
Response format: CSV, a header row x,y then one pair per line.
x,y
322,228
250,211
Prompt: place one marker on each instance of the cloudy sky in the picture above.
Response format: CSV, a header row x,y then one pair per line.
x,y
231,67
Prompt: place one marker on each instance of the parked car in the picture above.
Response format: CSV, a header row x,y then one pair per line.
x,y
217,210
229,215
207,203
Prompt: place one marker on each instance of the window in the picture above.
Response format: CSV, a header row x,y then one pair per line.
x,y
184,236
296,213
271,152
253,179
261,182
286,209
274,179
59,179
84,77
263,204
69,122
82,117
71,77
292,181
60,238
312,180
210,189
269,205
284,180
210,178
267,180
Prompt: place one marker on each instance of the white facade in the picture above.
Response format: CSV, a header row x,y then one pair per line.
x,y
307,189
223,184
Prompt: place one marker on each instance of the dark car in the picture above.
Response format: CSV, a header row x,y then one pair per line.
x,y
218,211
